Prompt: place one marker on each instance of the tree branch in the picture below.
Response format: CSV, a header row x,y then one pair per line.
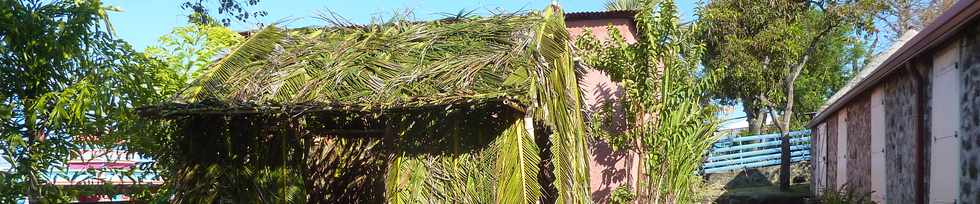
x,y
771,106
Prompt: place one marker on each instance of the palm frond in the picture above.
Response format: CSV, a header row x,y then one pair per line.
x,y
557,92
450,65
217,80
622,5
517,164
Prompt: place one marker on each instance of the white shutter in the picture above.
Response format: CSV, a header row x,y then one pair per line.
x,y
878,177
945,122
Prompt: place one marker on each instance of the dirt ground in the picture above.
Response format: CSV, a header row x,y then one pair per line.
x,y
759,185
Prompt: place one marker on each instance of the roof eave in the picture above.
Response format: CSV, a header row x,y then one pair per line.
x,y
940,30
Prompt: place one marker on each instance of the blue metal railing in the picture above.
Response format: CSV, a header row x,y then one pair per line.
x,y
733,152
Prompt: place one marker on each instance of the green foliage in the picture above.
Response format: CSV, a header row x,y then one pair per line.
x,y
752,47
686,123
619,5
665,98
622,195
519,183
63,75
188,50
179,57
602,124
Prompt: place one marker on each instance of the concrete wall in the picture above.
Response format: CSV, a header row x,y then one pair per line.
x,y
859,144
599,28
898,99
608,169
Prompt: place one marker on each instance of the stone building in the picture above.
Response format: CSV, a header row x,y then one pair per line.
x,y
907,128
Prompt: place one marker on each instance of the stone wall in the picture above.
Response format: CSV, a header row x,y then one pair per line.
x,y
970,107
859,144
899,103
831,168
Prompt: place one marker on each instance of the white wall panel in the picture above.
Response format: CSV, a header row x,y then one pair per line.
x,y
821,179
945,122
841,149
877,148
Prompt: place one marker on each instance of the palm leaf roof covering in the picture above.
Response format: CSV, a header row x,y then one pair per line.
x,y
398,64
523,61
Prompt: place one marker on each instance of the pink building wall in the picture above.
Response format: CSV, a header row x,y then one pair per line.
x,y
608,169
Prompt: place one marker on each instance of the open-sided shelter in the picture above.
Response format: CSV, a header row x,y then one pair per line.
x,y
460,110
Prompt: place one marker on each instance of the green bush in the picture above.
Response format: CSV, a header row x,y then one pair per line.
x,y
622,194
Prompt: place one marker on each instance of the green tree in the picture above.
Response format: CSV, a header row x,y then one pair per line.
x,y
667,113
761,50
62,75
187,51
178,58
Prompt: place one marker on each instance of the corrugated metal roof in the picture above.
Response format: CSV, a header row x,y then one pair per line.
x,y
589,15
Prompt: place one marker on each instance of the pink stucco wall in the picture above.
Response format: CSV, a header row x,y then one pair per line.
x,y
608,169
599,28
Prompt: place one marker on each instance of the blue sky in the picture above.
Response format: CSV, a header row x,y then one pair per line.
x,y
141,22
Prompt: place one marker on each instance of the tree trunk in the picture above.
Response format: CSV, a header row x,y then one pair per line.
x,y
784,164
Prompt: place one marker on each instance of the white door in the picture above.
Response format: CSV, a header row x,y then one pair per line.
x,y
945,122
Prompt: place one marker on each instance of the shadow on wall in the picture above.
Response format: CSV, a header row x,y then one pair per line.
x,y
606,101
609,169
611,175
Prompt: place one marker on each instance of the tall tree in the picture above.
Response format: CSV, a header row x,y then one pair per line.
x,y
178,58
762,49
63,76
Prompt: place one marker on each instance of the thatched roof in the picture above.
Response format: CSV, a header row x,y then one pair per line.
x,y
480,63
394,65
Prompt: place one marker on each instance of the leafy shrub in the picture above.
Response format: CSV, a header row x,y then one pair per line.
x,y
622,194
